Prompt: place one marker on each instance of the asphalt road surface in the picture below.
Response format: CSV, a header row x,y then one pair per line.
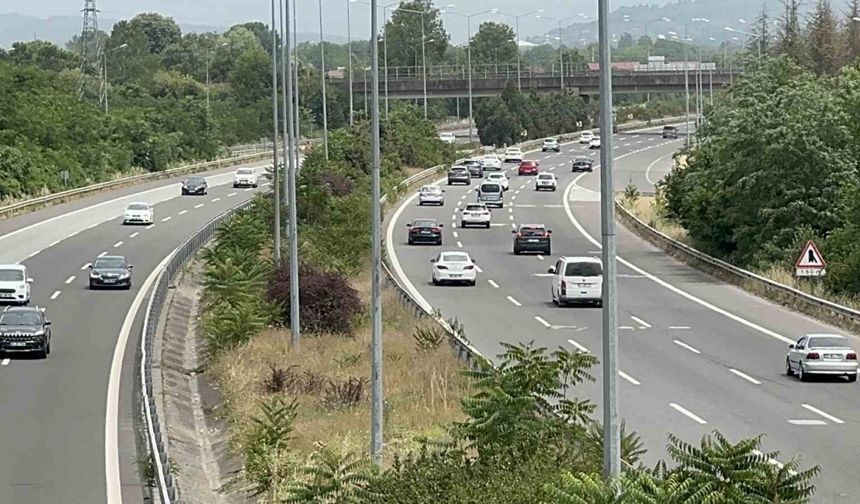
x,y
696,355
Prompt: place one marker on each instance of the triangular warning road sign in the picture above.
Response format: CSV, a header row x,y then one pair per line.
x,y
810,257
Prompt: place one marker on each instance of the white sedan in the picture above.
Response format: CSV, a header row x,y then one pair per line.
x,y
513,155
475,214
821,354
454,267
594,143
431,195
500,178
245,177
586,137
545,181
491,162
138,213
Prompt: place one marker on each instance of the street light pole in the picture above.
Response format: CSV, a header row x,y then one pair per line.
x,y
611,422
296,111
560,56
322,74
424,63
291,158
349,52
105,76
275,165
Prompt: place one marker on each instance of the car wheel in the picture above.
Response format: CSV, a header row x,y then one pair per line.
x,y
42,354
439,243
409,241
852,378
801,375
548,252
434,281
92,286
788,370
462,225
516,251
449,182
487,225
598,304
48,348
472,284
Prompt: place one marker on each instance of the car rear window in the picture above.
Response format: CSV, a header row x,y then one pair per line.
x,y
455,257
245,171
827,342
475,208
532,231
458,168
424,223
583,269
138,206
491,188
545,176
431,189
11,275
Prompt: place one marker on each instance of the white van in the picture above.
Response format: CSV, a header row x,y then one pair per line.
x,y
491,194
14,284
577,279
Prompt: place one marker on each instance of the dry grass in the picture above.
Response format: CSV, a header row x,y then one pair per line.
x,y
810,286
646,210
422,389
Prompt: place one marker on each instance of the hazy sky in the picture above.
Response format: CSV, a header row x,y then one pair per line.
x,y
228,12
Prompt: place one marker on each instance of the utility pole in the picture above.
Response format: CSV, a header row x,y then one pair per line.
x,y
275,167
611,423
91,50
322,74
349,52
376,420
290,187
687,86
297,135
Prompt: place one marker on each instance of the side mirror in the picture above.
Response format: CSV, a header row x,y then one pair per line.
x,y
551,270
513,231
441,225
432,260
29,280
409,225
474,261
549,231
90,266
130,266
791,346
47,322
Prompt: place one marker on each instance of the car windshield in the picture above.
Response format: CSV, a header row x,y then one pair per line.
x,y
550,140
138,206
545,176
20,318
419,223
582,160
491,188
532,231
11,275
587,133
827,342
491,158
245,171
455,257
496,176
475,208
431,189
513,149
471,162
195,180
109,263
583,269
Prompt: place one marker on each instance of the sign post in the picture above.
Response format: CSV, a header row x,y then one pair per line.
x,y
810,263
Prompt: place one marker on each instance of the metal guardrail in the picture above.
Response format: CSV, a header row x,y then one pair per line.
x,y
162,466
807,303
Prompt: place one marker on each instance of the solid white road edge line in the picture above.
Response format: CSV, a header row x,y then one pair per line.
x,y
687,413
514,301
648,170
684,345
114,487
745,376
662,282
823,413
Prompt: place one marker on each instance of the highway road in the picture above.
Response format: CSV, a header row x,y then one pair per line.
x,y
696,355
65,422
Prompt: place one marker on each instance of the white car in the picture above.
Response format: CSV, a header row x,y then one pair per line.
x,y
577,279
245,177
594,143
453,267
545,181
500,178
513,155
821,354
431,195
475,214
138,213
491,162
448,137
14,284
586,137
550,144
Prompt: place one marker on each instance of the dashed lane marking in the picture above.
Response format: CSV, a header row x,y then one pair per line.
x,y
70,279
150,226
232,194
807,422
823,413
629,378
215,200
540,257
684,345
5,362
459,245
514,301
55,295
118,244
166,219
645,325
85,266
200,205
745,376
456,235
578,346
494,284
543,322
679,327
133,235
183,212
102,254
689,414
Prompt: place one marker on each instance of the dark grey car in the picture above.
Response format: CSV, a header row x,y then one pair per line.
x,y
195,185
25,329
110,271
459,175
582,165
532,238
476,169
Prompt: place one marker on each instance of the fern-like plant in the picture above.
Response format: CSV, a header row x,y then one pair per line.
x,y
332,478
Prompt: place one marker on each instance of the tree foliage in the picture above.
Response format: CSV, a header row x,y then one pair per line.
x,y
403,32
494,43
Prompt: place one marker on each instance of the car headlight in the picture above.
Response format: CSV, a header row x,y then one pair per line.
x,y
125,275
39,333
94,274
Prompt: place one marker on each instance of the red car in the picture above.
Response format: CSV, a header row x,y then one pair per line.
x,y
529,168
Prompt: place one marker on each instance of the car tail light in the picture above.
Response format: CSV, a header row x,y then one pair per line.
x,y
468,267
563,287
439,266
812,356
436,230
851,356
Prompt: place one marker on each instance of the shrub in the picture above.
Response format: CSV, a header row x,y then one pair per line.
x,y
328,303
341,394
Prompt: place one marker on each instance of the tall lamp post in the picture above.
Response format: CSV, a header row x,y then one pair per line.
x,y
349,58
516,19
423,52
291,162
209,54
749,34
275,164
322,77
105,75
560,54
385,46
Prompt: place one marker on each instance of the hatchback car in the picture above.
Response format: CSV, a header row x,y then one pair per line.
x,y
491,194
528,167
821,354
582,165
670,132
550,144
594,143
431,195
25,329
586,137
545,181
476,168
138,213
110,271
532,238
14,284
459,175
195,185
245,177
475,214
500,178
425,231
453,267
491,162
513,155
577,279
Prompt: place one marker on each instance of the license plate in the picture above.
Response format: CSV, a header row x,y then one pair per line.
x,y
455,275
17,344
7,296
533,241
832,356
584,285
109,280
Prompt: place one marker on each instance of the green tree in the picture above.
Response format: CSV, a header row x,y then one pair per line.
x,y
403,31
160,31
44,55
250,76
790,40
852,31
825,49
494,43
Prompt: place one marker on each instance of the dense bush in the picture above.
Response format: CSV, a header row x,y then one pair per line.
x,y
329,304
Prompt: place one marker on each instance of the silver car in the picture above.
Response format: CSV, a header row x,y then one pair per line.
x,y
431,195
821,354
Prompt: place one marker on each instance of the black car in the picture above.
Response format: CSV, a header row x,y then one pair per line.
x,y
425,231
110,271
25,329
459,175
532,238
476,169
582,164
194,185
670,132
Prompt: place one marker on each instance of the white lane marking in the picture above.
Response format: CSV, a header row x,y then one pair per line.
x,y
517,191
494,284
542,274
232,194
70,279
72,234
524,185
511,217
118,244
514,301
551,169
459,245
553,206
807,422
199,205
641,322
773,462
248,189
514,197
542,321
478,269
150,226
513,225
166,219
578,346
5,362
133,234
113,486
540,257
525,206
510,210
55,242
679,327
85,266
453,216
629,378
55,295
664,283
648,170
463,197
823,413
102,254
455,234
687,413
745,376
625,327
34,253
215,200
684,345
183,212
